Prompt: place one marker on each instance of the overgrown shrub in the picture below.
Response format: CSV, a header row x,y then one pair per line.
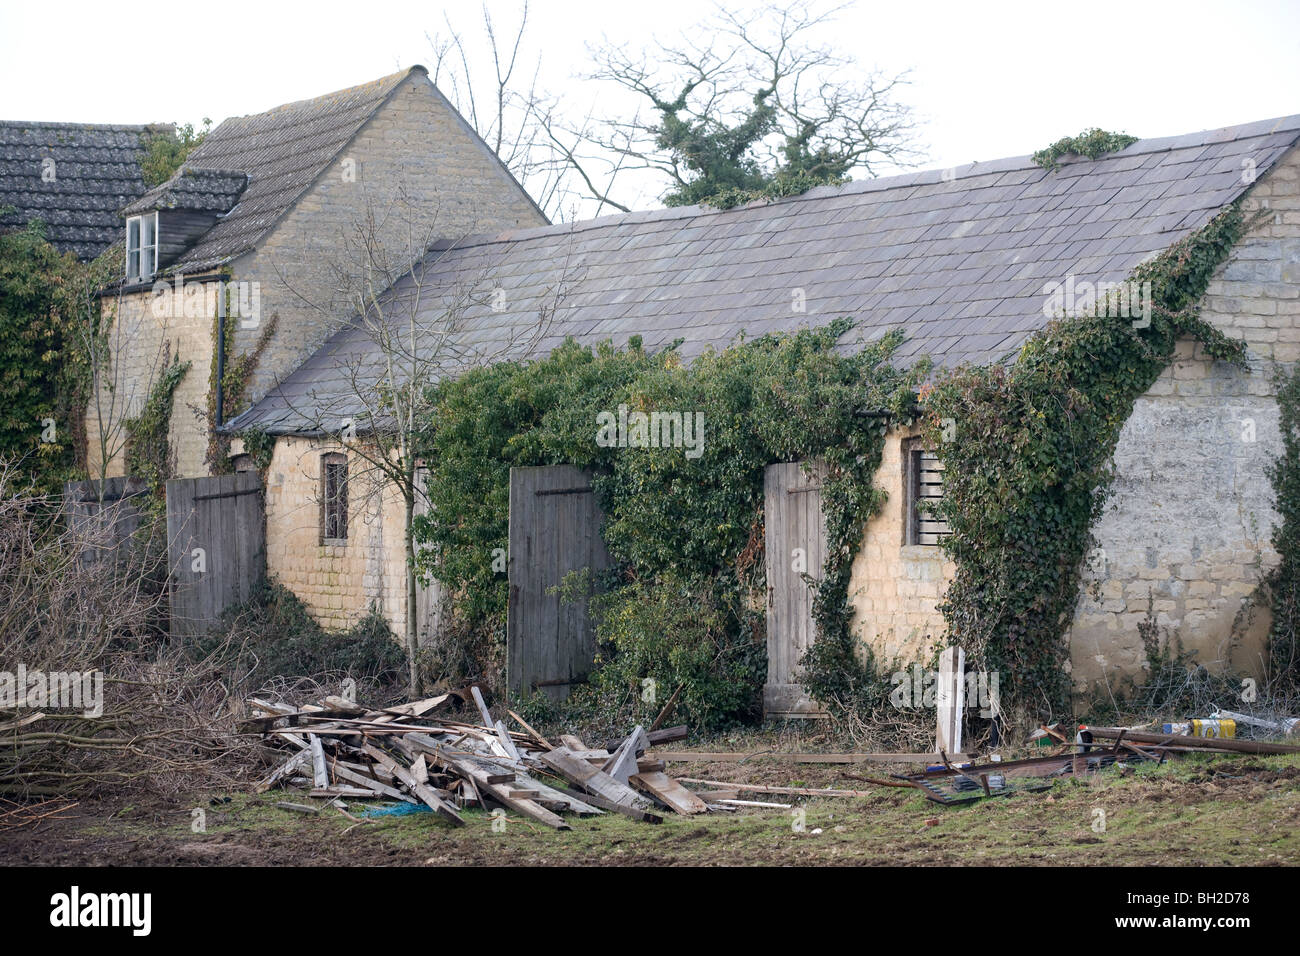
x,y
672,521
274,636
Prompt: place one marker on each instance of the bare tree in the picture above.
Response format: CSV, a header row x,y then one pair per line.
x,y
555,159
127,350
754,100
405,333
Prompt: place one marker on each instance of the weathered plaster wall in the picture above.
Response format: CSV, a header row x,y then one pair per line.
x,y
1187,530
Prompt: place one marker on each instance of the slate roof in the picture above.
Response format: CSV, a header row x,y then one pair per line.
x,y
204,190
96,170
281,151
958,260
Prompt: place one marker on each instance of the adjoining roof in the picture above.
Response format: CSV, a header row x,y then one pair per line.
x,y
203,190
958,259
282,152
95,172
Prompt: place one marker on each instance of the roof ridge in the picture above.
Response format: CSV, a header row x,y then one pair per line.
x,y
925,177
120,127
375,84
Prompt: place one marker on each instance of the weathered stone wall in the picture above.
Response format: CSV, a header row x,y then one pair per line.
x,y
415,167
337,582
896,587
1186,533
1186,530
144,331
413,173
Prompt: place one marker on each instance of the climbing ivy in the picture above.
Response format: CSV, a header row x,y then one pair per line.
x,y
48,316
148,447
1027,450
1091,143
1284,582
237,373
682,531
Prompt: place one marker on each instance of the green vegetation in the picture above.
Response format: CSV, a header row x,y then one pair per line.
x,y
1092,143
1284,583
1027,450
274,636
45,303
165,151
680,529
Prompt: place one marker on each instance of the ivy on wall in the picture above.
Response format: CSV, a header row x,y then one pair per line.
x,y
683,531
1028,456
1284,582
48,318
236,375
148,446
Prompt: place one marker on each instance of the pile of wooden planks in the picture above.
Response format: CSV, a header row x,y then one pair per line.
x,y
415,753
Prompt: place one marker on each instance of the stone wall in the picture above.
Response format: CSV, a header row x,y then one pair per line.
x,y
414,172
144,331
337,582
1185,536
895,587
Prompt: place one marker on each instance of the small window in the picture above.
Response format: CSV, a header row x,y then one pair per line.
x,y
142,246
923,481
243,463
334,498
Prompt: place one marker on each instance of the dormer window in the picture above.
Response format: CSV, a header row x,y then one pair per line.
x,y
142,246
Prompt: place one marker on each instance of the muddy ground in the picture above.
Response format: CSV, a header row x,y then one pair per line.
x,y
1197,811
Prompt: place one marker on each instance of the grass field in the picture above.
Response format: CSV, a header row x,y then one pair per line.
x,y
1196,811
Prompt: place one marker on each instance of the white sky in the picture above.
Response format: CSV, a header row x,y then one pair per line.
x,y
989,79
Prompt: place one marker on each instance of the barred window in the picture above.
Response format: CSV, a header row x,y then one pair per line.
x,y
923,482
334,498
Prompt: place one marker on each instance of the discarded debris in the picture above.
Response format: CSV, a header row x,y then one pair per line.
x,y
422,759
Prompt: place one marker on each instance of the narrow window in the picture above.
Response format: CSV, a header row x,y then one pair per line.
x,y
142,246
334,498
133,247
923,479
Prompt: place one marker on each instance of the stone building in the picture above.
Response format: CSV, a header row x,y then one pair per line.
x,y
262,220
961,260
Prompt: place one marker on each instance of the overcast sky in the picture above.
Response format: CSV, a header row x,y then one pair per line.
x,y
989,79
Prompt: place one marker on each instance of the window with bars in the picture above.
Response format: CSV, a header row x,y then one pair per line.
x,y
923,481
333,498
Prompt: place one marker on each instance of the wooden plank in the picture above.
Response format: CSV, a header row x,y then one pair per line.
x,y
431,800
299,760
589,778
669,792
950,700
693,756
480,772
319,769
623,764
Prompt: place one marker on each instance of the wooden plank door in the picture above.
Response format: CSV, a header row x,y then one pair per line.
x,y
795,545
554,530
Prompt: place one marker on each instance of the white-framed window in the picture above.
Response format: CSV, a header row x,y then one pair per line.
x,y
142,246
